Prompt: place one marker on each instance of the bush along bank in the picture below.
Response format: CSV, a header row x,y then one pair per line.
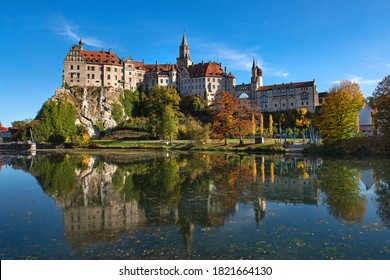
x,y
355,147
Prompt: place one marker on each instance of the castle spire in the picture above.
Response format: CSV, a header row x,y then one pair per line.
x,y
184,40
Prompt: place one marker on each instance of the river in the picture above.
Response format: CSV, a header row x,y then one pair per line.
x,y
136,205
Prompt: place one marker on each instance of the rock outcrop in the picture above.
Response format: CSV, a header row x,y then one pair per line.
x,y
93,106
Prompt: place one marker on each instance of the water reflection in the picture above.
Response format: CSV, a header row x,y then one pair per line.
x,y
104,196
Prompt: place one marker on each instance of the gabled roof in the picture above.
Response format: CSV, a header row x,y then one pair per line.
x,y
101,57
230,75
210,69
288,85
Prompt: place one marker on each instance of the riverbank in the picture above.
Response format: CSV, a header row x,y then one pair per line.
x,y
186,145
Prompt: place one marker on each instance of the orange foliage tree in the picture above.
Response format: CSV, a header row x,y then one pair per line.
x,y
232,116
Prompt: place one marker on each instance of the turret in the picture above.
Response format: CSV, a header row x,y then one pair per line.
x,y
81,44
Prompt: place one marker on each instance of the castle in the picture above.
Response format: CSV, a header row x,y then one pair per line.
x,y
205,79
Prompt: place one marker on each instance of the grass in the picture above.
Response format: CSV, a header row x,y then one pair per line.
x,y
233,145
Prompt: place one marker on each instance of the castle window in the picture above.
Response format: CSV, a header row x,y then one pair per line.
x,y
71,67
291,91
292,104
275,92
276,105
283,92
115,69
108,77
304,96
93,76
108,68
263,99
87,76
78,67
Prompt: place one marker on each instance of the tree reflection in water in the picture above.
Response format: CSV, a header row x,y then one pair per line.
x,y
341,184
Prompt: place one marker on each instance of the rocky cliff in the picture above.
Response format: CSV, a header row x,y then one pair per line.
x,y
93,106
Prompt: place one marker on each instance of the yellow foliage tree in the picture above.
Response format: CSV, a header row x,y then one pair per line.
x,y
261,125
340,109
271,123
253,125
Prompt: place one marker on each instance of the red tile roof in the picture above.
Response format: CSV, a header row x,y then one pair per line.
x,y
101,57
210,69
294,85
160,67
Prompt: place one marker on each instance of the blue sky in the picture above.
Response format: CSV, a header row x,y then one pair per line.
x,y
292,41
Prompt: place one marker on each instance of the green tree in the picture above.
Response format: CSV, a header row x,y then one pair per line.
x,y
164,112
169,124
117,112
381,106
130,101
340,109
55,121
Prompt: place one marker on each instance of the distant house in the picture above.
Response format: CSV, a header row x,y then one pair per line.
x,y
365,121
6,133
321,97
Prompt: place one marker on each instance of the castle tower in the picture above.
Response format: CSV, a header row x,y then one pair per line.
x,y
184,60
256,79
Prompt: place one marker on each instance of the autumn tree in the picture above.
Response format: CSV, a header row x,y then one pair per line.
x,y
302,121
243,122
340,109
253,125
381,106
2,128
270,125
261,124
232,115
224,107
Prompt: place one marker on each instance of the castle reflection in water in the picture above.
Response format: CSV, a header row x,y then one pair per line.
x,y
99,208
